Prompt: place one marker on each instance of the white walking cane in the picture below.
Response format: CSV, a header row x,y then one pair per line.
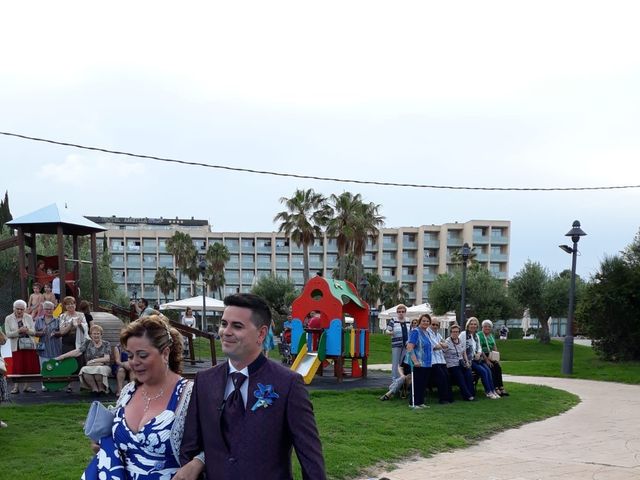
x,y
413,390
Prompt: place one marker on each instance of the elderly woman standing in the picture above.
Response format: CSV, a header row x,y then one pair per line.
x,y
399,331
419,351
73,326
97,353
19,329
48,330
488,345
73,329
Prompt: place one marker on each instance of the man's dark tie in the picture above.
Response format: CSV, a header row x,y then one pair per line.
x,y
234,405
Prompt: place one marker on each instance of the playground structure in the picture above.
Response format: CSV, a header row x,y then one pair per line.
x,y
54,220
335,339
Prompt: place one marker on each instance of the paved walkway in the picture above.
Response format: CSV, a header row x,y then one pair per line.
x,y
597,439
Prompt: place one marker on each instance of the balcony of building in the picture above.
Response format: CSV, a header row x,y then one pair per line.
x,y
282,245
263,245
149,276
247,245
165,261
247,277
133,261
389,262
264,262
429,276
409,241
234,261
389,242
248,261
232,244
118,276
149,245
409,258
499,240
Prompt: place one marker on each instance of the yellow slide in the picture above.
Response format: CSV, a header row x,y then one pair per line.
x,y
306,364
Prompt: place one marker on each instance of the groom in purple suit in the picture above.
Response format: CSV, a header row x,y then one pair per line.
x,y
248,413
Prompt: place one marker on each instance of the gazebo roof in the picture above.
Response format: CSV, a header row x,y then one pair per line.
x,y
47,219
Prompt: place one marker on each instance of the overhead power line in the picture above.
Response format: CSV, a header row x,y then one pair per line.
x,y
313,177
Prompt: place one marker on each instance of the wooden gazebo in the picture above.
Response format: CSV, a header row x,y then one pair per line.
x,y
55,220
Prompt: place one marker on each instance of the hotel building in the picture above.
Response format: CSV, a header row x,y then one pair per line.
x,y
412,255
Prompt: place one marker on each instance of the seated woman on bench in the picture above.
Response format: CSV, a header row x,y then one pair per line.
x,y
97,354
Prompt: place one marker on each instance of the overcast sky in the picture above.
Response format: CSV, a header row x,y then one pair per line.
x,y
441,93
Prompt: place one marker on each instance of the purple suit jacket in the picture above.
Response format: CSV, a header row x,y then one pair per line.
x,y
267,435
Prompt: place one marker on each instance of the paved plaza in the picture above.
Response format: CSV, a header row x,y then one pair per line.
x,y
598,439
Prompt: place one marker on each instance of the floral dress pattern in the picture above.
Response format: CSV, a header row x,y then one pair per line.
x,y
148,454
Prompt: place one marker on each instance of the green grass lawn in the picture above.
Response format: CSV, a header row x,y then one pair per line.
x,y
357,430
530,357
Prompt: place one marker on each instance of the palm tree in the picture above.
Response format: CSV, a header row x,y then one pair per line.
x,y
394,293
166,281
181,247
456,257
217,256
352,268
352,222
372,292
306,213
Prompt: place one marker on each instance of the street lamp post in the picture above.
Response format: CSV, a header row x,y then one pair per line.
x,y
567,351
466,251
203,267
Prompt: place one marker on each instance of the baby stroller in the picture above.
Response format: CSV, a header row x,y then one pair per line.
x,y
284,347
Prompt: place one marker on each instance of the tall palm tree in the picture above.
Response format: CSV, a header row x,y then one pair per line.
x,y
352,222
394,293
302,220
166,281
373,289
181,247
217,256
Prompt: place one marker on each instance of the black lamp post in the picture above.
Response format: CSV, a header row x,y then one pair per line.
x,y
203,268
567,352
466,251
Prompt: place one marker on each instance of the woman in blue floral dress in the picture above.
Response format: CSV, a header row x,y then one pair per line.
x,y
149,416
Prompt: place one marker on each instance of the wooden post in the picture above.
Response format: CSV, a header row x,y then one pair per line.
x,y
76,264
62,267
32,261
21,266
94,271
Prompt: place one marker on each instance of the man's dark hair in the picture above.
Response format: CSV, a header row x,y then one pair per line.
x,y
260,312
145,301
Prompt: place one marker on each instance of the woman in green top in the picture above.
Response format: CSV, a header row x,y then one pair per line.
x,y
488,345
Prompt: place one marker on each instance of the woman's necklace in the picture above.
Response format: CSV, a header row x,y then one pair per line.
x,y
148,399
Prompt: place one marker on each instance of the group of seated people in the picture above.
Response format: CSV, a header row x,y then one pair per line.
x,y
422,358
36,340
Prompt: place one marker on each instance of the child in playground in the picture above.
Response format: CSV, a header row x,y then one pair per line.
x,y
34,306
404,380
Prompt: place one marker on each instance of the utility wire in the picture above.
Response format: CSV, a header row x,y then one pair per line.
x,y
312,177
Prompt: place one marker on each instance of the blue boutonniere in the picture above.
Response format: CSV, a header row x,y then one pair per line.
x,y
265,396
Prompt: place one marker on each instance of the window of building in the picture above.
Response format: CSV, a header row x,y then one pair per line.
x,y
409,237
408,271
389,240
117,245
